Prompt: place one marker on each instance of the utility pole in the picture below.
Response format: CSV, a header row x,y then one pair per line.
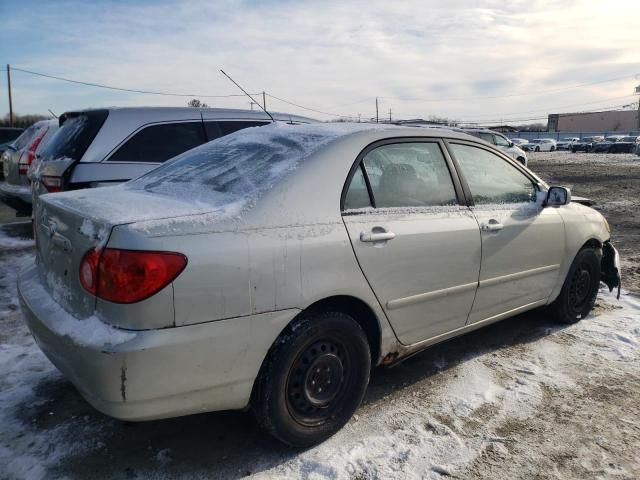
x,y
251,103
389,115
264,101
637,92
359,118
10,100
377,119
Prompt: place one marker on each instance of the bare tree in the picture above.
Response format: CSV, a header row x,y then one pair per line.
x,y
195,103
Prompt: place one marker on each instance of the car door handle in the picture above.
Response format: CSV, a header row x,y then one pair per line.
x,y
492,226
377,236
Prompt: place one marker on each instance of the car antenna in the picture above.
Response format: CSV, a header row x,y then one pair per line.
x,y
54,115
245,92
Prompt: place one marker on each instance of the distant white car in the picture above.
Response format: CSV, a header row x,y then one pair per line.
x,y
540,145
565,143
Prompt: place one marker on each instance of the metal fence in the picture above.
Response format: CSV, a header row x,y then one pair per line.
x,y
561,135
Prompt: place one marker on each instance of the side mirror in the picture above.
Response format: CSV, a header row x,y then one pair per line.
x,y
511,144
558,196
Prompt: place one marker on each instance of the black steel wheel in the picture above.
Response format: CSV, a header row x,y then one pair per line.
x,y
580,287
313,379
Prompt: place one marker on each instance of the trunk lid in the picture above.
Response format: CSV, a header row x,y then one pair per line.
x,y
69,224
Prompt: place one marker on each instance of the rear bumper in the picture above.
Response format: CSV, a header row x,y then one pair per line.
x,y
158,373
17,197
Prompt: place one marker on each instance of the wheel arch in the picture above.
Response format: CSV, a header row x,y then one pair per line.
x,y
356,308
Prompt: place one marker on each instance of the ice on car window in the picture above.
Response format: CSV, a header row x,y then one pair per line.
x,y
237,168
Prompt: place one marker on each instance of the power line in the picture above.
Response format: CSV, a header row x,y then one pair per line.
x,y
308,108
540,92
130,90
557,107
502,120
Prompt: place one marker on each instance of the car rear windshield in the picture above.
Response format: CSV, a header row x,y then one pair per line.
x,y
237,168
76,132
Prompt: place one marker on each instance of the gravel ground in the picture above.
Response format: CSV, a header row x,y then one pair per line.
x,y
520,399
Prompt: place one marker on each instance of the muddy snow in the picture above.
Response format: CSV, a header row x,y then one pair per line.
x,y
521,399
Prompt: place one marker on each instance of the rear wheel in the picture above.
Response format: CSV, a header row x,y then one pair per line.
x,y
580,288
313,380
553,149
537,149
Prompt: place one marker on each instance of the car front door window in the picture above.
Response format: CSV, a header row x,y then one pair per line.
x,y
491,179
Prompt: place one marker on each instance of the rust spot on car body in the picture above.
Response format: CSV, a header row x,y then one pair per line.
x,y
390,358
123,381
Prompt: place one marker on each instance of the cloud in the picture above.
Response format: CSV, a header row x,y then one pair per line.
x,y
412,54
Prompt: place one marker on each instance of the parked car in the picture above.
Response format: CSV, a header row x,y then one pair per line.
x,y
15,190
606,144
7,136
274,267
540,145
586,144
626,144
565,143
519,141
96,148
503,143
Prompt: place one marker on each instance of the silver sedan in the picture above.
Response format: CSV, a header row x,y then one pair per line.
x,y
275,267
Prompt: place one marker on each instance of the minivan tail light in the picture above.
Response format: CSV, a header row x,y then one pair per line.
x,y
128,276
51,183
26,159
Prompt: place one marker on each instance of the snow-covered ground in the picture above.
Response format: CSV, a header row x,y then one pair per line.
x,y
521,399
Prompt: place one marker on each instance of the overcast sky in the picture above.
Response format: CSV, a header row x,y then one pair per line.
x,y
421,57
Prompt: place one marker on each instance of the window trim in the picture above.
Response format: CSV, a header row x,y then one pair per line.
x,y
517,165
448,160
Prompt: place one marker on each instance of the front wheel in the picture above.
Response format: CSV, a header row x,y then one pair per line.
x,y
313,380
553,149
578,294
537,149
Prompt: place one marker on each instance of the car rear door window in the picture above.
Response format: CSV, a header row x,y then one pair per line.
x,y
220,128
491,179
404,175
159,143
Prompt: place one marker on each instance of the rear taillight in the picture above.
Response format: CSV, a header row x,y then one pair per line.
x,y
128,276
26,159
51,183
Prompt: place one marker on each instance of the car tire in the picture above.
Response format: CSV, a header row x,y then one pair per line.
x,y
580,288
553,149
319,351
537,149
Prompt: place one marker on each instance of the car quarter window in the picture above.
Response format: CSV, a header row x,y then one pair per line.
x,y
220,128
159,143
492,179
403,175
487,137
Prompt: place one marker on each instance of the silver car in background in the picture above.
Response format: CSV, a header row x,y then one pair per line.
x,y
96,148
274,267
15,189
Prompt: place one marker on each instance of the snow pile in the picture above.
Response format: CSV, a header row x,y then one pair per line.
x,y
8,242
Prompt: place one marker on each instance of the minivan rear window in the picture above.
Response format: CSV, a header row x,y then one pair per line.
x,y
77,131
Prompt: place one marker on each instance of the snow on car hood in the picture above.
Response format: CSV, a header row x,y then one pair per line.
x,y
225,176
